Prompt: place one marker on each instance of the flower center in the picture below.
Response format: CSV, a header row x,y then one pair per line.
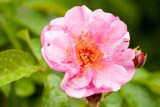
x,y
87,52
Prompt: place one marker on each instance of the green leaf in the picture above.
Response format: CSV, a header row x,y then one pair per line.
x,y
32,20
15,64
6,89
4,1
9,33
138,96
3,39
24,87
36,49
113,100
76,102
154,82
150,80
38,78
141,75
154,85
23,35
53,95
34,43
54,6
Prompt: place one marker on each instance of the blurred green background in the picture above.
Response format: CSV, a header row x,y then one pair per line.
x,y
24,74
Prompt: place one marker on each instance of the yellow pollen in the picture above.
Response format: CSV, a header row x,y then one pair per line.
x,y
68,51
87,52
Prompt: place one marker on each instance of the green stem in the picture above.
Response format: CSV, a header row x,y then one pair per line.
x,y
9,32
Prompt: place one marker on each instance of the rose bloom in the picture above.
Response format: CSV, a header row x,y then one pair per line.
x,y
91,48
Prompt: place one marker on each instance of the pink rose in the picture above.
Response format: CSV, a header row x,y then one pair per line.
x,y
91,48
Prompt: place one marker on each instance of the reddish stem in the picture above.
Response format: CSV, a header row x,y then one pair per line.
x,y
98,104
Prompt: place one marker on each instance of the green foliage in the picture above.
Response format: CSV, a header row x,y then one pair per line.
x,y
24,88
151,80
113,100
6,89
9,32
76,102
48,5
15,64
4,1
34,21
138,96
141,75
53,96
3,39
154,82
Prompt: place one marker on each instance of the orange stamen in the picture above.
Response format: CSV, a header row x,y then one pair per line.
x,y
87,52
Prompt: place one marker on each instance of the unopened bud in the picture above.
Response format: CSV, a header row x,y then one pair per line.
x,y
139,59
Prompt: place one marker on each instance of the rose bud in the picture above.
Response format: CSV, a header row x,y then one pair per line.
x,y
139,59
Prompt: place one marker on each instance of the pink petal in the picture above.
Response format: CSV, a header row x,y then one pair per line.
x,y
45,29
115,45
63,66
125,58
56,44
57,24
124,42
91,89
77,93
80,80
76,18
114,36
57,38
131,70
117,29
113,76
55,53
99,21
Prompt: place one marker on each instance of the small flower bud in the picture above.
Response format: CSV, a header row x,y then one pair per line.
x,y
139,59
